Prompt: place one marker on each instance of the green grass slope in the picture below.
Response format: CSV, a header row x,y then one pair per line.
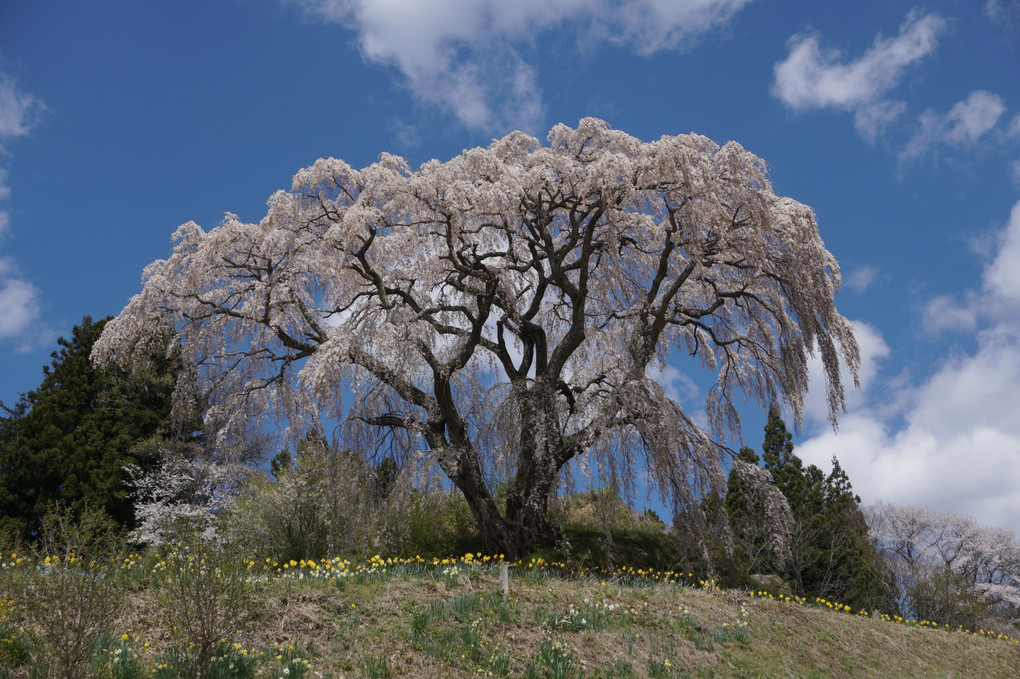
x,y
450,619
459,625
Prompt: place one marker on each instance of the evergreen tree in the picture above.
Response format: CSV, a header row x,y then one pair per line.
x,y
386,473
831,555
282,463
68,440
787,470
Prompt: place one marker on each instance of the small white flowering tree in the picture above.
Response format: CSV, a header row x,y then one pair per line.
x,y
503,310
923,547
184,492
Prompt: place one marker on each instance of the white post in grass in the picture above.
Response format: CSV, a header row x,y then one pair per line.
x,y
504,578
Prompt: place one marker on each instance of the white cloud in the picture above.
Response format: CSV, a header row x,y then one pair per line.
x,y
652,25
404,134
1002,277
957,448
19,306
1014,128
18,111
968,120
678,386
1014,172
872,119
19,303
861,278
965,123
1003,12
997,302
461,55
945,312
813,77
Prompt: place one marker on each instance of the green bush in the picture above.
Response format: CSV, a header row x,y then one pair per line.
x,y
603,531
438,524
641,547
950,598
324,504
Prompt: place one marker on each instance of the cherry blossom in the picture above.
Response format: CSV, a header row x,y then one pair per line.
x,y
498,313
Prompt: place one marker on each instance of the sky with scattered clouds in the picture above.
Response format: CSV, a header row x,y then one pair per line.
x,y
897,121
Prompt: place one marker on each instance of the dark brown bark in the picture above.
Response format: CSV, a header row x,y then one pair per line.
x,y
496,533
525,524
527,503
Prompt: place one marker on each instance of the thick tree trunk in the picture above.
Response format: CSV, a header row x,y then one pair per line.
x,y
527,503
526,524
527,513
496,534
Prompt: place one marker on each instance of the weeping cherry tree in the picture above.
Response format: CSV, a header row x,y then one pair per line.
x,y
504,311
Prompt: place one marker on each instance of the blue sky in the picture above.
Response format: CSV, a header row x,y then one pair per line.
x,y
898,122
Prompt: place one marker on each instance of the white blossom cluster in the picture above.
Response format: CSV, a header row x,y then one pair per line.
x,y
183,494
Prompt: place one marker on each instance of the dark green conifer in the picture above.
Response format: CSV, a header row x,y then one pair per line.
x,y
68,440
831,555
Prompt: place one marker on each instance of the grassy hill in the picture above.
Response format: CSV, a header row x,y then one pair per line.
x,y
387,618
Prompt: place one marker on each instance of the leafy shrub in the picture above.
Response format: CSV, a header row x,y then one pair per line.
x,y
602,530
323,506
206,598
80,592
15,647
644,547
438,524
950,598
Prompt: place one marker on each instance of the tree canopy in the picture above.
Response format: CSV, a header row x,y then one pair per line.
x,y
68,440
499,313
